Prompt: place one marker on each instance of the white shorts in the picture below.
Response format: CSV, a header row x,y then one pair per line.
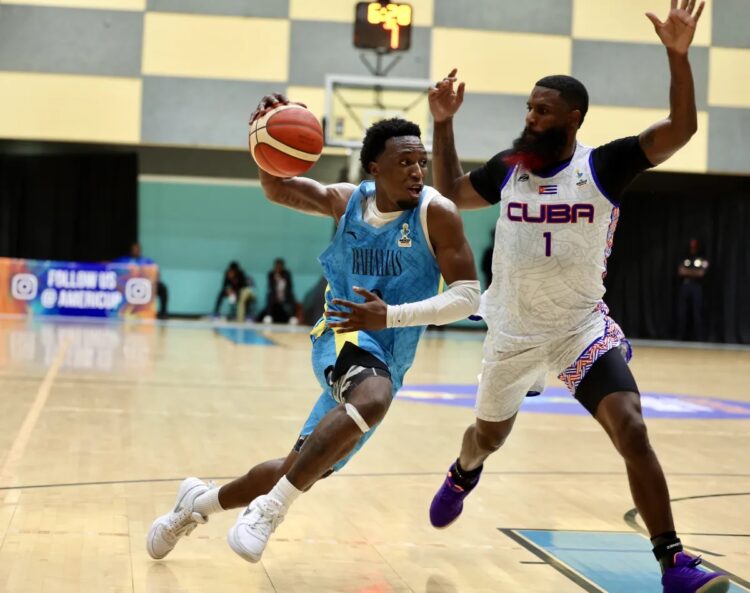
x,y
507,377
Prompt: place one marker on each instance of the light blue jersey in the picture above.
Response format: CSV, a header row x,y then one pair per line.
x,y
396,262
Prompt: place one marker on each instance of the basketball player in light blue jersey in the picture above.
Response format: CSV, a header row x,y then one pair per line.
x,y
396,237
559,204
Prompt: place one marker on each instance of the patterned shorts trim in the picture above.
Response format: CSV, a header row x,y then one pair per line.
x,y
613,337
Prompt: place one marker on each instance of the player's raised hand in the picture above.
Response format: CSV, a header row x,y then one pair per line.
x,y
372,314
676,32
444,99
270,102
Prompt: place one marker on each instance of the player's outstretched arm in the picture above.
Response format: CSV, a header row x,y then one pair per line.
x,y
445,99
664,138
301,193
456,262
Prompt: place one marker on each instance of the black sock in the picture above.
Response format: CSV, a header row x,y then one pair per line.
x,y
465,478
666,546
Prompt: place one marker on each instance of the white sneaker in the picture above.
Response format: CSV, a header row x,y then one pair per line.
x,y
250,533
168,529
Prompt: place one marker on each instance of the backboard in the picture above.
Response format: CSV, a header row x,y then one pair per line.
x,y
354,103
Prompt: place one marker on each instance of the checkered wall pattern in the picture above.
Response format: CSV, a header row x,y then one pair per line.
x,y
189,72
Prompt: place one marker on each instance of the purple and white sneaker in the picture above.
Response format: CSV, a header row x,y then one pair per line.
x,y
449,501
686,577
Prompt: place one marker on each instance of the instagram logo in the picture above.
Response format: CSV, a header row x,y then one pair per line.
x,y
24,287
138,291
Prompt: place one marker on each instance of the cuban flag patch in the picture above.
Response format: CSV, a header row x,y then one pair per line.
x,y
548,190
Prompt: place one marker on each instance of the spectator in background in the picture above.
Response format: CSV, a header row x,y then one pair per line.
x,y
238,287
691,271
136,257
280,302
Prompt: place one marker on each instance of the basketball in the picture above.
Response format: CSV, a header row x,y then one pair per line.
x,y
286,141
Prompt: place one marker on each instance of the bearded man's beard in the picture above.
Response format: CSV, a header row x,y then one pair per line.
x,y
536,151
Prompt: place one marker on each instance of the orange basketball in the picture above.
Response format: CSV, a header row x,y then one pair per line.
x,y
286,141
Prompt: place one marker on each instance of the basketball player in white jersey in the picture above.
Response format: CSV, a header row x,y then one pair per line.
x,y
559,203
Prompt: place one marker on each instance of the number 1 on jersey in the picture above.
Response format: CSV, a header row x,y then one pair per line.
x,y
548,244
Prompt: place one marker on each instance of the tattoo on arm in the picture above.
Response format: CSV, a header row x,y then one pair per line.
x,y
298,202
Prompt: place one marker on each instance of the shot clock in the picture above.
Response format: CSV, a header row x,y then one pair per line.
x,y
383,26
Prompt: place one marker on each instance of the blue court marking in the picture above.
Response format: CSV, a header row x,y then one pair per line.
x,y
598,561
557,400
243,335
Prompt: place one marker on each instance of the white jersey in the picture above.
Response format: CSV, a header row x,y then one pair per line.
x,y
552,240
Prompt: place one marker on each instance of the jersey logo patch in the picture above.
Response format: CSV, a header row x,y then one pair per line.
x,y
548,190
524,177
581,181
405,238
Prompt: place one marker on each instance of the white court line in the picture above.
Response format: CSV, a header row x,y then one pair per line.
x,y
21,441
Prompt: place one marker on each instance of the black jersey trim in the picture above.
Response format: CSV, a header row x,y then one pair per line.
x,y
615,203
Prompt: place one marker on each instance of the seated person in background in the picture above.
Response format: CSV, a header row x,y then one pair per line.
x,y
238,288
136,257
280,303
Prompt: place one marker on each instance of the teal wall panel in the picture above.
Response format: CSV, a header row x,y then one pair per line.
x,y
184,104
193,229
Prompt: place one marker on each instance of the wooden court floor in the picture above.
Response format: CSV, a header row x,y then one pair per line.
x,y
99,422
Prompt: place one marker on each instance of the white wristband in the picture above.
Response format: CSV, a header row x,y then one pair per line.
x,y
458,302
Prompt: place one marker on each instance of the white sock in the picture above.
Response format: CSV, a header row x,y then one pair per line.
x,y
284,492
208,503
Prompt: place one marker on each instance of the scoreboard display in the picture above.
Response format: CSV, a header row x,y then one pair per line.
x,y
383,26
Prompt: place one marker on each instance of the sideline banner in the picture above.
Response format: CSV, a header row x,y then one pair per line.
x,y
36,287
